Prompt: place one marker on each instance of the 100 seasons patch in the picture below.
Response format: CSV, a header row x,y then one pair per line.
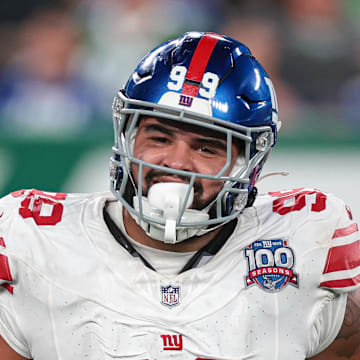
x,y
270,265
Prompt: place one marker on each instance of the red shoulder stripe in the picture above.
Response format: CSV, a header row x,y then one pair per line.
x,y
341,283
5,273
5,269
343,257
346,231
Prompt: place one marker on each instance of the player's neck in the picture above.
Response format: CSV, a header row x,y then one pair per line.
x,y
137,233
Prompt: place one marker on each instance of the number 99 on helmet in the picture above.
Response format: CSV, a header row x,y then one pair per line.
x,y
209,81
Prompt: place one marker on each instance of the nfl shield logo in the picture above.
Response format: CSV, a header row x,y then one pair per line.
x,y
170,295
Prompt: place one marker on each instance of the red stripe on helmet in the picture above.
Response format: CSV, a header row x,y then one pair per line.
x,y
199,62
189,89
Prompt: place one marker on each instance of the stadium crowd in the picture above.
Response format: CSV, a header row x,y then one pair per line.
x,y
61,63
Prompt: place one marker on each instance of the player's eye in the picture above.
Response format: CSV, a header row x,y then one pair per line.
x,y
160,139
157,134
211,146
207,150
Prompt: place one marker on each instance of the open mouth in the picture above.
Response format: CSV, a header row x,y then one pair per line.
x,y
155,176
161,179
176,179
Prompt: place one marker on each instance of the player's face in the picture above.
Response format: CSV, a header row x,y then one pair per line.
x,y
182,147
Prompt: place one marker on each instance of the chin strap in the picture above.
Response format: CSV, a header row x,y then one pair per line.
x,y
251,197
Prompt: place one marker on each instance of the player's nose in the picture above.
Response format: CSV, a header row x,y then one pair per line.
x,y
179,157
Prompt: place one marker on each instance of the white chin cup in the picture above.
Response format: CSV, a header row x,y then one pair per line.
x,y
165,201
169,197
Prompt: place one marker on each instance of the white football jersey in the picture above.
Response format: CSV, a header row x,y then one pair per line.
x,y
276,289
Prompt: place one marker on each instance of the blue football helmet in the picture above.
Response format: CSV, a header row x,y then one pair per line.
x,y
206,80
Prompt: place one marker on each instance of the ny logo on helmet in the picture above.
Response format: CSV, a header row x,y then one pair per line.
x,y
185,100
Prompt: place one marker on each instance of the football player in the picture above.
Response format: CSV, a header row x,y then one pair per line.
x,y
182,259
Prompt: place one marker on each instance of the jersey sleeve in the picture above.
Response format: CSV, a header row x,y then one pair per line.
x,y
327,324
6,216
341,272
9,329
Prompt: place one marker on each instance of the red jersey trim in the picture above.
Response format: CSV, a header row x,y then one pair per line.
x,y
343,257
5,273
341,283
346,231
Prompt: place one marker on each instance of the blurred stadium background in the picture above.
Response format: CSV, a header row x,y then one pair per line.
x,y
61,64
